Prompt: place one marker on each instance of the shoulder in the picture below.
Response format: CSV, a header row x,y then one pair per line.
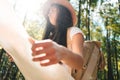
x,y
74,31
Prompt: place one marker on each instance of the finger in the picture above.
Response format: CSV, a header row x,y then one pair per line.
x,y
48,51
40,58
43,44
51,62
45,57
38,51
32,41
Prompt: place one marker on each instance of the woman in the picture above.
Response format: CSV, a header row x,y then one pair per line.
x,y
61,21
15,41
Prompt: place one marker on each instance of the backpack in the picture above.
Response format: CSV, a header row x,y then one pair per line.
x,y
93,61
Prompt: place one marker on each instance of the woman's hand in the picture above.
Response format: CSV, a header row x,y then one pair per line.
x,y
47,52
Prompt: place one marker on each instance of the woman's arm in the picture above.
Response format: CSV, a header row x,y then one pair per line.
x,y
74,58
55,53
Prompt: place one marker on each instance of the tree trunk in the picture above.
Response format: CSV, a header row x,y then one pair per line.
x,y
116,58
108,47
79,14
1,53
88,18
119,6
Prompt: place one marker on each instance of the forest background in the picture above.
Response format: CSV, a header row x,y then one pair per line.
x,y
98,19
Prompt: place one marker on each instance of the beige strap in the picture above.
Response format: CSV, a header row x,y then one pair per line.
x,y
87,57
91,65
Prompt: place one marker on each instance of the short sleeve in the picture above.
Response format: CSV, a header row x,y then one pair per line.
x,y
75,30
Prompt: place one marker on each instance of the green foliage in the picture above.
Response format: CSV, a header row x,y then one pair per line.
x,y
35,28
105,28
8,70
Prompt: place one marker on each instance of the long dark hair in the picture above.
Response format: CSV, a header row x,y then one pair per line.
x,y
63,22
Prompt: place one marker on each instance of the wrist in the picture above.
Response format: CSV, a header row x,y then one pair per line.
x,y
65,54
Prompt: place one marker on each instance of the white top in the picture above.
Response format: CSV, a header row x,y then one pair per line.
x,y
74,31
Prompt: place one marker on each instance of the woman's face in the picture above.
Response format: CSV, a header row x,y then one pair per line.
x,y
53,15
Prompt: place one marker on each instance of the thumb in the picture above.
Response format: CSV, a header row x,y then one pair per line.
x,y
32,41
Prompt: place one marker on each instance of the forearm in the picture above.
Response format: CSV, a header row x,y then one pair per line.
x,y
72,59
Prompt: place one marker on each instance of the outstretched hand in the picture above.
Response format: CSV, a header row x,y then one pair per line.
x,y
47,52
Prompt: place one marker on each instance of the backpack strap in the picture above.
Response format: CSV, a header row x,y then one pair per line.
x,y
91,60
91,65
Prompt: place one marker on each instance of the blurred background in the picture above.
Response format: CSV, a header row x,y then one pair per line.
x,y
98,19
